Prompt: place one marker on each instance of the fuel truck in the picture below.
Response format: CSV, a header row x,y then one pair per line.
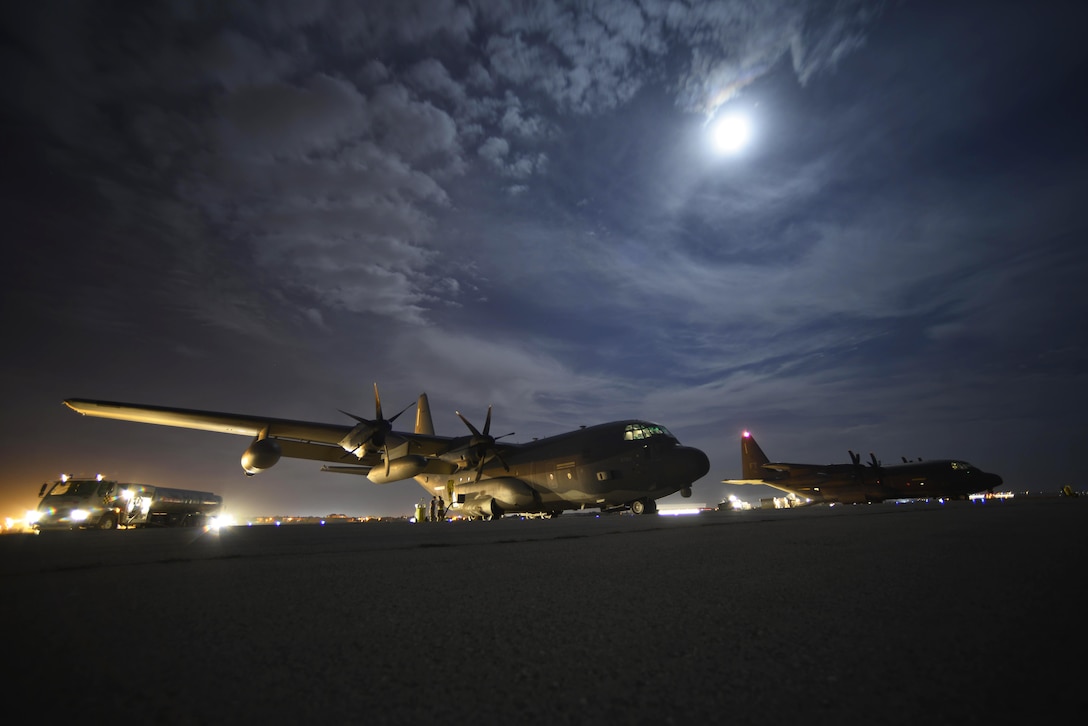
x,y
98,503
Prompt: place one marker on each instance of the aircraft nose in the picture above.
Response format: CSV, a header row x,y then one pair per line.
x,y
696,463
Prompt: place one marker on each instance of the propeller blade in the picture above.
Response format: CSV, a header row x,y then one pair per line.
x,y
358,419
378,408
402,411
375,430
483,443
467,423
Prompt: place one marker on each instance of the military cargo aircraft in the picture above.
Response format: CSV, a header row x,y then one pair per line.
x,y
856,482
622,465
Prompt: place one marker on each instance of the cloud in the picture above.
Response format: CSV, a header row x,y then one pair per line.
x,y
280,119
496,152
733,44
304,156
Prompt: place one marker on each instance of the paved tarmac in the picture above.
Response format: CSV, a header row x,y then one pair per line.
x,y
883,614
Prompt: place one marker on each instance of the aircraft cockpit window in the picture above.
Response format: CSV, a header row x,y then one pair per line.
x,y
636,432
961,466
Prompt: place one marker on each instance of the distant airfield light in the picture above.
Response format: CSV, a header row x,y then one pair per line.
x,y
679,512
731,133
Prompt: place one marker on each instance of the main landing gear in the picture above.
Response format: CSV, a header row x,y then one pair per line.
x,y
644,506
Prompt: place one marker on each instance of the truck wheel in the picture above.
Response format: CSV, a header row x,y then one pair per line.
x,y
107,522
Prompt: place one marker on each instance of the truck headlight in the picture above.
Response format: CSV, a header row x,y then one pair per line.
x,y
80,515
223,520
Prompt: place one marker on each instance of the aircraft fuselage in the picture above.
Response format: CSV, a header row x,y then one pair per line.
x,y
850,483
609,465
858,482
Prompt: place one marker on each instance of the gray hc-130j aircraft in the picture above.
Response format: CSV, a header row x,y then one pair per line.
x,y
857,483
618,465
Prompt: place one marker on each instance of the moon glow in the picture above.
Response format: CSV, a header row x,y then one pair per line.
x,y
731,133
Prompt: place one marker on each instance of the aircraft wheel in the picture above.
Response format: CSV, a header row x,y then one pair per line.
x,y
638,507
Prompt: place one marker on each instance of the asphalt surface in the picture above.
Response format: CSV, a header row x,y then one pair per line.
x,y
906,614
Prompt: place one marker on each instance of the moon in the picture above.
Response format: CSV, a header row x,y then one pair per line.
x,y
731,133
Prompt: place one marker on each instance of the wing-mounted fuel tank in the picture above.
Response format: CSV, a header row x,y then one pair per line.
x,y
260,455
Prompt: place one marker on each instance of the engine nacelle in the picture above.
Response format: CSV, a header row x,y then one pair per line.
x,y
496,497
485,507
261,454
404,467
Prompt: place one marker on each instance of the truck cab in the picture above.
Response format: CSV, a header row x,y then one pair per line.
x,y
73,503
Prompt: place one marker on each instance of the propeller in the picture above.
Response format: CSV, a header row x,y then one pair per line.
x,y
371,432
483,442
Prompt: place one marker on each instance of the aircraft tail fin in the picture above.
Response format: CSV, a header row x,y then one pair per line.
x,y
752,457
424,424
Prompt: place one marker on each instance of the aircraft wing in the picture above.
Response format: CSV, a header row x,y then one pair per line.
x,y
224,423
297,439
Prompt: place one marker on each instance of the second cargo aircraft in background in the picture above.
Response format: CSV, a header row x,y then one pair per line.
x,y
857,483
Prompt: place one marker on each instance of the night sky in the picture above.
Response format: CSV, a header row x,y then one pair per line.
x,y
265,208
